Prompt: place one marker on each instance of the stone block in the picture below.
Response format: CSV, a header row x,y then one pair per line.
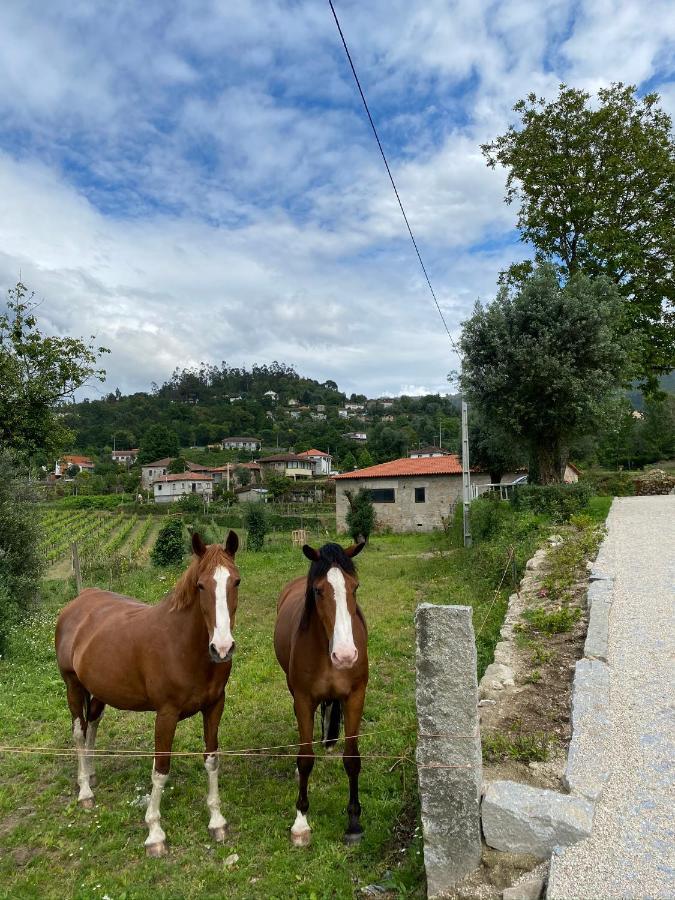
x,y
587,767
448,748
599,590
518,818
526,889
598,630
496,678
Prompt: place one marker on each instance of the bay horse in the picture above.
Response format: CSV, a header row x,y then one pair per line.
x,y
320,640
173,658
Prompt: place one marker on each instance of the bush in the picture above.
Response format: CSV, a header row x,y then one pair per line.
x,y
191,503
558,501
613,484
256,525
170,544
487,515
361,515
21,562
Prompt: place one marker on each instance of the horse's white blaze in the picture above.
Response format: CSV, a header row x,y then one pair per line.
x,y
301,825
152,815
222,634
213,797
83,770
342,644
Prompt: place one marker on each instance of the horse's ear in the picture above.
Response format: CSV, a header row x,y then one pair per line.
x,y
232,543
311,554
198,544
356,548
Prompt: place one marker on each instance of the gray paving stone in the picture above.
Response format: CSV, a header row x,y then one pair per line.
x,y
588,762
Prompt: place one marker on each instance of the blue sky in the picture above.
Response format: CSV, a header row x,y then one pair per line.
x,y
198,181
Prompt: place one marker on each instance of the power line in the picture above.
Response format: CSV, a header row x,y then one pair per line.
x,y
391,177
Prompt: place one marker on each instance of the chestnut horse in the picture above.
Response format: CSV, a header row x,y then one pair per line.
x,y
174,658
320,640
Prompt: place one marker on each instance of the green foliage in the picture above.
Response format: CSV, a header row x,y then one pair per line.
x,y
37,373
360,517
257,526
540,360
611,484
348,462
93,501
177,466
542,620
493,448
170,544
488,514
191,503
158,442
365,459
612,212
277,485
243,476
517,745
557,501
20,561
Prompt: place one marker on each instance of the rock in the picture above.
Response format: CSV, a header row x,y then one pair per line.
x,y
537,561
599,590
496,678
523,819
587,768
232,860
598,629
449,765
527,889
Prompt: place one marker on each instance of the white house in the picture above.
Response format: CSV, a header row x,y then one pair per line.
x,y
125,457
82,463
153,470
169,488
252,444
322,463
359,436
292,465
428,452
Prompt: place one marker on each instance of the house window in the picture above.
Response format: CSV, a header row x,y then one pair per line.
x,y
420,495
194,487
159,487
383,495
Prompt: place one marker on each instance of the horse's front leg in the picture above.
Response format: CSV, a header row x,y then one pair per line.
x,y
165,729
211,715
301,833
351,759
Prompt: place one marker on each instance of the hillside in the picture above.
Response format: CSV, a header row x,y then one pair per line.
x,y
274,403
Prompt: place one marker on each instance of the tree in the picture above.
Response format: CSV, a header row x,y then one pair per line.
x,y
21,562
176,466
170,544
349,462
277,485
541,359
493,447
360,516
243,476
159,441
256,522
596,187
37,373
365,459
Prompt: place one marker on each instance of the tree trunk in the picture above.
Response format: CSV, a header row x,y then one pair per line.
x,y
496,476
547,462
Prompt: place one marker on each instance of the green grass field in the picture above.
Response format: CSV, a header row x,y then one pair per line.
x,y
51,848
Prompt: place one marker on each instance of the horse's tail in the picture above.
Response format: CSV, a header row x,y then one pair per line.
x,y
331,717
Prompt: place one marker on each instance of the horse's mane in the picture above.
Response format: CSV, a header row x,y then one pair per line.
x,y
185,592
329,555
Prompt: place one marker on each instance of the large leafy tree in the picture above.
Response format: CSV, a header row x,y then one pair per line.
x,y
541,359
37,373
158,442
494,448
596,186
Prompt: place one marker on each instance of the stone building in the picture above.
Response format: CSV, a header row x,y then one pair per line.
x,y
408,494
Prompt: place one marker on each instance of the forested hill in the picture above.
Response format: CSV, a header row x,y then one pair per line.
x,y
204,405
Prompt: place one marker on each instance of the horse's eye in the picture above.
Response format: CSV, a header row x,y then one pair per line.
x,y
200,586
237,582
318,591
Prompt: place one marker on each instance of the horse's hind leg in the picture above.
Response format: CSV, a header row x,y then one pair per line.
x,y
94,715
78,699
301,833
165,729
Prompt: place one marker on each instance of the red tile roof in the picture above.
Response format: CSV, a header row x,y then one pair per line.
x,y
158,463
283,457
78,460
313,453
432,465
183,476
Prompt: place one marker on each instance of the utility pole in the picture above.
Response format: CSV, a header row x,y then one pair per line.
x,y
466,476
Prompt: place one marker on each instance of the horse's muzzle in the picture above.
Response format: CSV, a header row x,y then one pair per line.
x,y
217,658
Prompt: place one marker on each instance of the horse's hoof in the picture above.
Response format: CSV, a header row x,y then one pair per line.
x,y
353,837
218,834
301,838
86,803
156,850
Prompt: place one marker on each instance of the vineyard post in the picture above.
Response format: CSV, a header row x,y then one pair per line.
x,y
76,567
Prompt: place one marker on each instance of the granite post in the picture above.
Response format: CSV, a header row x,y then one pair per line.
x,y
448,747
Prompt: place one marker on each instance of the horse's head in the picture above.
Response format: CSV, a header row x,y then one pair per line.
x,y
217,583
331,590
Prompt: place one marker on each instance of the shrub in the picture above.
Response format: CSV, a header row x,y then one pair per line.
x,y
558,501
361,514
558,622
21,562
487,516
256,525
170,544
192,503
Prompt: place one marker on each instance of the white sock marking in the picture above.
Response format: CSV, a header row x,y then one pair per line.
x,y
301,825
343,638
83,772
152,814
213,797
222,633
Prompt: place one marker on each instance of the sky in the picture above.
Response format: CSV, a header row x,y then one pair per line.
x,y
198,181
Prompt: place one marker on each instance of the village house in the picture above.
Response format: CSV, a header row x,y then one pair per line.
x,y
82,463
252,444
153,470
292,465
359,436
272,395
170,488
427,452
408,494
322,463
125,457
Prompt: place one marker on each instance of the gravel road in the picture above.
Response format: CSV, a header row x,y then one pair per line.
x,y
631,851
